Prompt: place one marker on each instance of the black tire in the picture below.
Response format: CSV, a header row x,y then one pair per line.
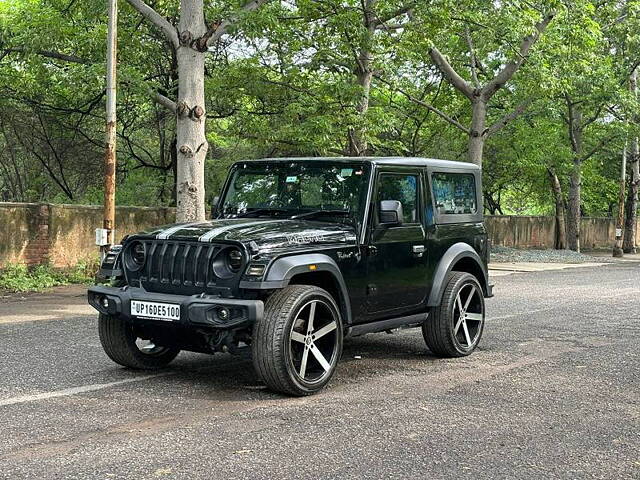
x,y
119,343
278,350
446,334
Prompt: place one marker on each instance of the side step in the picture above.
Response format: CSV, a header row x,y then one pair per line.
x,y
391,323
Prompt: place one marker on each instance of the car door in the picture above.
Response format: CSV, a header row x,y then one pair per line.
x,y
397,257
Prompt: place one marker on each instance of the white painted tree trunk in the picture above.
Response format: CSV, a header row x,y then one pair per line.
x,y
190,42
191,140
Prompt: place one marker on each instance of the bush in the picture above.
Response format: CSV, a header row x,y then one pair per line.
x,y
83,272
17,277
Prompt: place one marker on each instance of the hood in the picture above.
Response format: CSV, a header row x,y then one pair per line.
x,y
266,233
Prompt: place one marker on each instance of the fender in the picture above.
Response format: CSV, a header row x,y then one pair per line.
x,y
111,266
455,253
282,270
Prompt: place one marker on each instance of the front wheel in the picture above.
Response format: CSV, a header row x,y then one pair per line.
x,y
298,342
454,328
124,347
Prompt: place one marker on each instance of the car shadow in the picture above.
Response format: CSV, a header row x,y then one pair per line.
x,y
232,377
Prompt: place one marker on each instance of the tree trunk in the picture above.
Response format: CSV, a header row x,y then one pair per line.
x,y
174,168
629,241
190,42
561,228
573,215
575,179
357,140
479,95
477,132
190,125
491,204
357,135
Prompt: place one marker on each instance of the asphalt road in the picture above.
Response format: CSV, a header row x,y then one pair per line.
x,y
554,392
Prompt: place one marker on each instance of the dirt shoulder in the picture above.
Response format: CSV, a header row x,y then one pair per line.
x,y
52,304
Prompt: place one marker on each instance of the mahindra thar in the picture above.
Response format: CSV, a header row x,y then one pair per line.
x,y
299,254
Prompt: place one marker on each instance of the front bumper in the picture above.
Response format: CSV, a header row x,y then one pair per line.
x,y
196,310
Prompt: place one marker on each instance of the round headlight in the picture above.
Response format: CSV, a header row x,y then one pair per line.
x,y
234,259
138,253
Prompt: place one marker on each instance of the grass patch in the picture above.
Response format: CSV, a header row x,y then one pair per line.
x,y
18,277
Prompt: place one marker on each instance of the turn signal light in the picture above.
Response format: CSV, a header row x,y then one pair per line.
x,y
256,270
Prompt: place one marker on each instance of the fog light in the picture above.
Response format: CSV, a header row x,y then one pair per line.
x,y
104,301
223,313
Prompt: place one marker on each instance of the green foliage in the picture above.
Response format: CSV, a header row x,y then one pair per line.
x,y
17,277
284,84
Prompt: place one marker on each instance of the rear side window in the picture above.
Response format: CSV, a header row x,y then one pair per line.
x,y
454,193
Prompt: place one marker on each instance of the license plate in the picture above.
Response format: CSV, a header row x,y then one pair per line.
x,y
168,312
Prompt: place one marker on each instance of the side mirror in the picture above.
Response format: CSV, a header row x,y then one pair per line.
x,y
391,212
214,206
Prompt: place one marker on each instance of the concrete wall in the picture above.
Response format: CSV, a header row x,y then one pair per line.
x,y
23,232
539,232
521,231
65,234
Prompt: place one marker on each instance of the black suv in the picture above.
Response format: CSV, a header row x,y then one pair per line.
x,y
302,252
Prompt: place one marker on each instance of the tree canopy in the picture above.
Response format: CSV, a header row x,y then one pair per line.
x,y
328,77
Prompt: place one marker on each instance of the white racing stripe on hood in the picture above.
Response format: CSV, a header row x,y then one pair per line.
x,y
211,234
170,231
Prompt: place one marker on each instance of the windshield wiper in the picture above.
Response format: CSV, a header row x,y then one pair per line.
x,y
259,211
316,213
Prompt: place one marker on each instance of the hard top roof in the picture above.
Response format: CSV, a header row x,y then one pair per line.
x,y
399,161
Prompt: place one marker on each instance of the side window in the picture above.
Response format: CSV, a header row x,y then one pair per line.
x,y
454,193
403,188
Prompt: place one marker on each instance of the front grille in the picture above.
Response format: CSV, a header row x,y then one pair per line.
x,y
178,267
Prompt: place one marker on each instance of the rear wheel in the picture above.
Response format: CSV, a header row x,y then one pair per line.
x,y
454,328
298,343
124,347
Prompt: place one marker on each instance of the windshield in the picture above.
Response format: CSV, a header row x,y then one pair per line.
x,y
323,191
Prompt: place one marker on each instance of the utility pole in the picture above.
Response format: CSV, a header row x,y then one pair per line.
x,y
617,248
110,154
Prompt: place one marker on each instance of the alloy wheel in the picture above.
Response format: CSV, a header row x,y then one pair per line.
x,y
314,342
469,316
147,347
